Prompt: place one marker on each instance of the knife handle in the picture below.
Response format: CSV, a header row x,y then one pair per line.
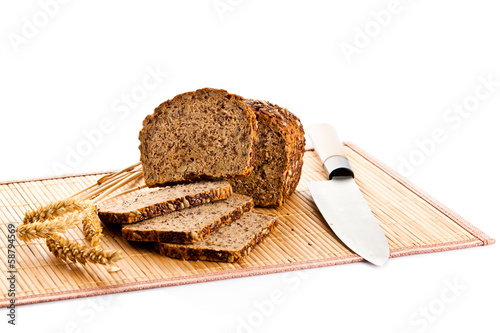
x,y
328,146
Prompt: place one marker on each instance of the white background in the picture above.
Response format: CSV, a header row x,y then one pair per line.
x,y
70,73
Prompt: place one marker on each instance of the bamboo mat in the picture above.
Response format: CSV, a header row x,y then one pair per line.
x,y
412,221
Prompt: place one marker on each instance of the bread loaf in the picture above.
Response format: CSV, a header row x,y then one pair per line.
x,y
156,202
191,224
229,244
205,134
279,156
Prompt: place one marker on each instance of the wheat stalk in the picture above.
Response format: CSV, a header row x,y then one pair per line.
x,y
52,220
71,251
42,229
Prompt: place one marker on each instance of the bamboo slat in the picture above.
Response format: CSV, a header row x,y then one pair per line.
x,y
412,221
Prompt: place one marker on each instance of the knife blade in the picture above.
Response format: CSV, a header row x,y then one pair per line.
x,y
341,202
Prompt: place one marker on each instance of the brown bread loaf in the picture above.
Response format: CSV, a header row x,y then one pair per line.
x,y
191,224
204,134
229,244
279,156
156,202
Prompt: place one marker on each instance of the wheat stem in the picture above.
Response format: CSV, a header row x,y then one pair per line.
x,y
113,175
77,194
97,191
105,180
123,182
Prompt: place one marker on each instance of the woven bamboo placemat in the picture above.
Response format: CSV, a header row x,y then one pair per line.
x,y
412,221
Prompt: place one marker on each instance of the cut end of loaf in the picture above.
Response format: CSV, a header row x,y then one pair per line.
x,y
206,134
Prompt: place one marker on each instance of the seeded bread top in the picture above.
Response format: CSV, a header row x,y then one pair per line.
x,y
158,195
282,117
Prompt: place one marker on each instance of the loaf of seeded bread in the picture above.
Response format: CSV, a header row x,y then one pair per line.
x,y
279,156
163,200
204,134
191,224
230,243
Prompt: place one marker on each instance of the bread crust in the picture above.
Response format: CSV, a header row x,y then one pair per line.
x,y
291,130
186,252
165,206
151,177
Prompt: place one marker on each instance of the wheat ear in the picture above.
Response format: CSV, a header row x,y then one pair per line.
x,y
54,209
92,228
68,250
43,229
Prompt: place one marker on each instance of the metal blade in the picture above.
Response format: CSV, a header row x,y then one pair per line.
x,y
345,210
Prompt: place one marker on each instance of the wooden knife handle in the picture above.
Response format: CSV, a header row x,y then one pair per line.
x,y
330,150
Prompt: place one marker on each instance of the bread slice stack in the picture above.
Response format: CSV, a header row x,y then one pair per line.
x,y
196,149
223,229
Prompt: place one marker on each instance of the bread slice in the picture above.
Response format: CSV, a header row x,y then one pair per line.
x,y
229,244
191,224
204,134
156,202
279,156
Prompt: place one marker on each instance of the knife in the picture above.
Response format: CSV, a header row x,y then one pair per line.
x,y
341,202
